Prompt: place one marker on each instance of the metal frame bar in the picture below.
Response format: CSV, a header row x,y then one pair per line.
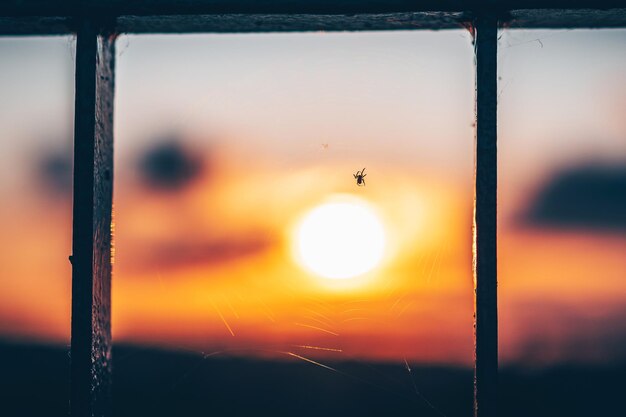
x,y
323,7
92,212
40,17
485,219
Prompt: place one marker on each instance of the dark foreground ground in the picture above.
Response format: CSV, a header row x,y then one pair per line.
x,y
34,381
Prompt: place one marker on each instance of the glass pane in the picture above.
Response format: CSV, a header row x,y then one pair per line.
x,y
562,207
293,224
36,125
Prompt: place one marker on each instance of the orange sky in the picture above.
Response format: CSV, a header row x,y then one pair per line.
x,y
281,123
253,298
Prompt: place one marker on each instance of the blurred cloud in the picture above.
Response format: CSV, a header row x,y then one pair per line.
x,y
553,332
54,172
590,196
170,165
184,254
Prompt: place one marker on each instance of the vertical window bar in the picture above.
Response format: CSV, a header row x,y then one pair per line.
x,y
485,227
92,209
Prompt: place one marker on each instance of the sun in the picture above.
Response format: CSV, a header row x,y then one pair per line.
x,y
340,239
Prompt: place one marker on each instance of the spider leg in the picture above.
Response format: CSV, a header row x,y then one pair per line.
x,y
364,175
363,179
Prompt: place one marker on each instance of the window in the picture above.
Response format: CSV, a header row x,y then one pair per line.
x,y
36,215
93,151
227,146
561,219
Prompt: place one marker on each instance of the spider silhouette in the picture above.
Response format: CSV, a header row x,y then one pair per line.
x,y
360,177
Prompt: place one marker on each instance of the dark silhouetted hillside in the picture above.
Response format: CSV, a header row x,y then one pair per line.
x,y
34,381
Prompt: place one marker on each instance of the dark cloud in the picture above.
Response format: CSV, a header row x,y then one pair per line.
x,y
590,196
171,166
180,254
54,172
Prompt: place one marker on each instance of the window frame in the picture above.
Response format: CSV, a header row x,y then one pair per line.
x,y
96,24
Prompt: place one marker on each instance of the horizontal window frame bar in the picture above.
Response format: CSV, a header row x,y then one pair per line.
x,y
19,21
323,7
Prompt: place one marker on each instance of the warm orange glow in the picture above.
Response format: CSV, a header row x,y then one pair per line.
x,y
271,245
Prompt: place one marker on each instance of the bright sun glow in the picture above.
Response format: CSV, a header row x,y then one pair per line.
x,y
340,239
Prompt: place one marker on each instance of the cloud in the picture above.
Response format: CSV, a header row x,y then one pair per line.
x,y
54,172
173,255
551,332
590,196
171,166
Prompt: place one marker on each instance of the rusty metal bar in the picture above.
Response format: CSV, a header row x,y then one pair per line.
x,y
485,219
91,238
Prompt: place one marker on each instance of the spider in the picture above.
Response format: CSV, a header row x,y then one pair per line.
x,y
360,177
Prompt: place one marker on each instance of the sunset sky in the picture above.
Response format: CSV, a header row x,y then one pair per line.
x,y
224,142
